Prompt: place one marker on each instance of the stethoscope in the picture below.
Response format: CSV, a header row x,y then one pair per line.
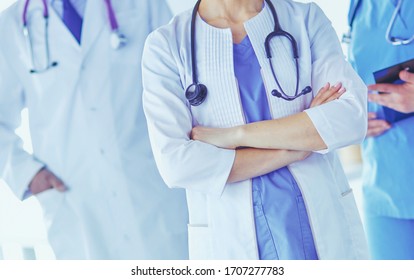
x,y
196,93
395,41
117,39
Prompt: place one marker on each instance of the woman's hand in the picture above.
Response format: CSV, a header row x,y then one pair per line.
x,y
327,94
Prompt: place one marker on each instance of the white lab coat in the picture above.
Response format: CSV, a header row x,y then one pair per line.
x,y
221,215
88,127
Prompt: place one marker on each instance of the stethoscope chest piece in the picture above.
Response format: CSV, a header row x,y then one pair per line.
x,y
196,94
118,40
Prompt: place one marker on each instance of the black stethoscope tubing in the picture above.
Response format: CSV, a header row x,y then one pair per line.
x,y
196,93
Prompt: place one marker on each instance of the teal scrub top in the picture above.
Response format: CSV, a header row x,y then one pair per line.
x,y
388,186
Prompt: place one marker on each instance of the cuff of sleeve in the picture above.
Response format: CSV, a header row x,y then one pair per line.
x,y
27,194
22,181
323,127
201,167
220,178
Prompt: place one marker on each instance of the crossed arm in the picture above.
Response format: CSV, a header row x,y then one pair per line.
x,y
296,135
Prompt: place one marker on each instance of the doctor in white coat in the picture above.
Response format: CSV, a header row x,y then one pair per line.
x,y
222,220
92,168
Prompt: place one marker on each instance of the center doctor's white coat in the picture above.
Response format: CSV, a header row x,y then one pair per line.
x,y
221,215
88,127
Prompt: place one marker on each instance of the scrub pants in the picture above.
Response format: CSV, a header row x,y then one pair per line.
x,y
390,238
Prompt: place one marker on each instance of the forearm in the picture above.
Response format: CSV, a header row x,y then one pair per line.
x,y
295,132
250,163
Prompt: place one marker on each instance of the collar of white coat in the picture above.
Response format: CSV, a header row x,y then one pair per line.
x,y
36,4
95,19
79,6
217,57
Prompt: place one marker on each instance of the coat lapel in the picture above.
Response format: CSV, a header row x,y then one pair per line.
x,y
216,71
61,42
56,26
61,34
95,19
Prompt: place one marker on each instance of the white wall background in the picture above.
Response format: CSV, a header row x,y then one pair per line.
x,y
5,3
336,10
21,222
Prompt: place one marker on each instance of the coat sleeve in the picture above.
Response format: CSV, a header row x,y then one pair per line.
x,y
17,167
341,122
182,162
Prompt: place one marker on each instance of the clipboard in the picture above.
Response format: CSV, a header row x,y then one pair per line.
x,y
390,75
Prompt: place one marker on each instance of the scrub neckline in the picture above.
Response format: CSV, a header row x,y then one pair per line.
x,y
245,42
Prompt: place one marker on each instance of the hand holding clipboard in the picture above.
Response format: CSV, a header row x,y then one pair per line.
x,y
396,91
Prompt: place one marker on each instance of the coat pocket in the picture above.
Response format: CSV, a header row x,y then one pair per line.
x,y
50,200
199,242
337,174
356,243
43,82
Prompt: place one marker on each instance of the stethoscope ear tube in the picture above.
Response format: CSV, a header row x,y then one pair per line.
x,y
281,33
117,39
279,93
196,93
396,41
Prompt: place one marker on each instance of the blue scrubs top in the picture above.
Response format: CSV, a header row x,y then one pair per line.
x,y
388,159
282,223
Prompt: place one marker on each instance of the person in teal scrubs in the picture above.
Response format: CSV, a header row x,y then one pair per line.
x,y
388,150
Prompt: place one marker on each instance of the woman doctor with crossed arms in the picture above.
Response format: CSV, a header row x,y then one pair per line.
x,y
232,62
